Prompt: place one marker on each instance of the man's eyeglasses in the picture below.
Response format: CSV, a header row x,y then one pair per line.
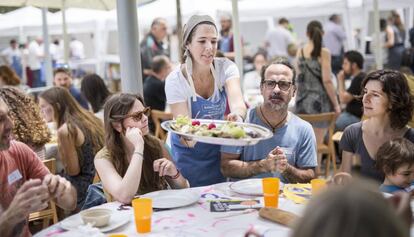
x,y
283,85
137,116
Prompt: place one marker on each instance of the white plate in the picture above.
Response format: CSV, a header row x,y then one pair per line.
x,y
250,187
117,219
263,132
172,198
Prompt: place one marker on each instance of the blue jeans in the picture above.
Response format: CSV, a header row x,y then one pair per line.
x,y
94,196
344,120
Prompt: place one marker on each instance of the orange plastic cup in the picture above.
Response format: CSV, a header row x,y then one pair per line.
x,y
317,185
142,214
271,191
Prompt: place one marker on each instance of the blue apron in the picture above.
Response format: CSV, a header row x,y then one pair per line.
x,y
17,65
200,165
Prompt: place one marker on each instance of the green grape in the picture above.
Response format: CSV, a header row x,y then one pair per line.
x,y
237,132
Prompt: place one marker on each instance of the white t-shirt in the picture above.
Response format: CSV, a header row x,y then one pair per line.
x,y
77,50
35,54
177,88
279,40
9,52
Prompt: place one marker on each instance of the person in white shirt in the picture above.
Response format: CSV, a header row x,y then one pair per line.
x,y
34,62
77,50
251,82
278,39
12,56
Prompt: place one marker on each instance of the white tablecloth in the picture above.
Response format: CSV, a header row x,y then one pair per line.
x,y
197,220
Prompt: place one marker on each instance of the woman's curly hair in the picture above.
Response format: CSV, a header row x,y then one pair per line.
x,y
395,85
29,126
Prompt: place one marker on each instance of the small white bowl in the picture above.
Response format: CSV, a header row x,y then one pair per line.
x,y
97,217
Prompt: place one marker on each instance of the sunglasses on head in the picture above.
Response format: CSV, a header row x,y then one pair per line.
x,y
283,85
137,116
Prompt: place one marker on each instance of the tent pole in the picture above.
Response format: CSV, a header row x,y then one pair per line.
x,y
347,21
378,45
364,30
65,34
237,39
129,51
46,45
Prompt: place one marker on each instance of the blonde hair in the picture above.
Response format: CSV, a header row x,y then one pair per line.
x,y
353,210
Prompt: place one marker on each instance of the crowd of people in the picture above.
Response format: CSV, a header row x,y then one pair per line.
x,y
108,136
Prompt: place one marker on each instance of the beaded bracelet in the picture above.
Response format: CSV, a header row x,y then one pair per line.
x,y
176,176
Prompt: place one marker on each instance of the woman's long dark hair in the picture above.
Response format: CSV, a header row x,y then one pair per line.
x,y
95,91
315,32
121,104
67,110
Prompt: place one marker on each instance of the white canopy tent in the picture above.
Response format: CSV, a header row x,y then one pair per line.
x,y
22,22
125,9
260,11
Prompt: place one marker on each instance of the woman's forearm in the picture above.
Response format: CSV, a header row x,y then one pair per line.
x,y
129,184
330,90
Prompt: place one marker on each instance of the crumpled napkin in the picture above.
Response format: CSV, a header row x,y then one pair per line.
x,y
83,230
298,193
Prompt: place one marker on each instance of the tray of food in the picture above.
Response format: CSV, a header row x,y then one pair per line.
x,y
218,132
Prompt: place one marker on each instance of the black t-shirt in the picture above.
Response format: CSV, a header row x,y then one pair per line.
x,y
154,96
154,93
354,107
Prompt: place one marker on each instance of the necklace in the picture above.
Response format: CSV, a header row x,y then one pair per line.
x,y
268,123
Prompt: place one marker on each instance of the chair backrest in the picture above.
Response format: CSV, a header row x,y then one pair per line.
x,y
157,117
51,165
323,149
323,117
50,212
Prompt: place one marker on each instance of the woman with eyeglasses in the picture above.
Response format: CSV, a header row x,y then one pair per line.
x,y
200,88
133,161
80,136
316,93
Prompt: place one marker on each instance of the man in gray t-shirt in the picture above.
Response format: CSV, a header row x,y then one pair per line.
x,y
291,153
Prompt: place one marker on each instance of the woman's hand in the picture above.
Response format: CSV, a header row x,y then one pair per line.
x,y
234,117
165,167
190,143
337,110
340,179
134,135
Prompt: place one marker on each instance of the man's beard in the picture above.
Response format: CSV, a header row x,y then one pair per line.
x,y
277,107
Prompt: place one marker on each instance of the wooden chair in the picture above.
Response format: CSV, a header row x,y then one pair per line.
x,y
328,149
50,212
157,117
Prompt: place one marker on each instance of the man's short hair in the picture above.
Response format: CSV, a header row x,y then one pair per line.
x,y
355,57
159,62
63,70
157,21
283,20
279,60
226,16
333,17
13,41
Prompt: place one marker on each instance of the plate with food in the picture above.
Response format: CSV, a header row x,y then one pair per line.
x,y
218,132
